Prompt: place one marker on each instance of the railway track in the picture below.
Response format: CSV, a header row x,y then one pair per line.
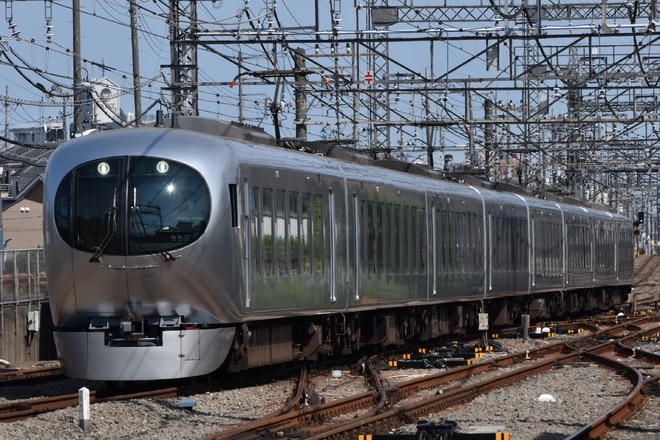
x,y
14,411
15,375
23,409
385,404
388,407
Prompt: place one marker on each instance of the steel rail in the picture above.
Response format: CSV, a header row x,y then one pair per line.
x,y
15,376
406,413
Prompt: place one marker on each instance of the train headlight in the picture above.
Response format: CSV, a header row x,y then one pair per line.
x,y
162,167
103,168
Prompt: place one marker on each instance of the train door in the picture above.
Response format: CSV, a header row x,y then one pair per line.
x,y
457,252
360,246
248,224
289,242
508,242
579,246
547,249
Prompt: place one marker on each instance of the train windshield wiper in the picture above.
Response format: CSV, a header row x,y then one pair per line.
x,y
143,231
110,233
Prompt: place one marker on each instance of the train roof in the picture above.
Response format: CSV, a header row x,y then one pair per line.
x,y
253,134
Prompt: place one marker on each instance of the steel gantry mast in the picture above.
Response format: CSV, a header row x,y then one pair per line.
x,y
376,79
557,96
183,66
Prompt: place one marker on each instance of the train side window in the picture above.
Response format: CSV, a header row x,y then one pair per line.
x,y
62,210
306,236
267,229
454,234
362,234
466,242
396,239
421,237
281,233
518,246
233,205
373,238
414,240
498,239
368,233
576,252
257,232
569,246
584,250
478,241
452,243
470,238
318,234
587,239
406,260
441,240
379,243
454,255
387,238
572,262
294,234
507,228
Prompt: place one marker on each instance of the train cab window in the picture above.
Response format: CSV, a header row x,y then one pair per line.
x,y
132,206
96,208
168,205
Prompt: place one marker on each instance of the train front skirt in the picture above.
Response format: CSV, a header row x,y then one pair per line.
x,y
184,353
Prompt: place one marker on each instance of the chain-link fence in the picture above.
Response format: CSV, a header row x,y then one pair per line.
x,y
25,322
22,276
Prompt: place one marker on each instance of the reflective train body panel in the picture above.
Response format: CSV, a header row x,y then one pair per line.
x,y
171,251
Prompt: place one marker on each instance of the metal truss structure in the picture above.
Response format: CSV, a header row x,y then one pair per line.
x,y
553,96
558,97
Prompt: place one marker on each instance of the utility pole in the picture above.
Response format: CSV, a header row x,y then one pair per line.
x,y
77,73
300,95
136,64
6,116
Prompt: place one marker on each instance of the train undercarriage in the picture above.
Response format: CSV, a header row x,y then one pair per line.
x,y
261,343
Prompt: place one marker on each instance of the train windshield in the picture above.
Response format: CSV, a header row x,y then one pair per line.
x,y
131,206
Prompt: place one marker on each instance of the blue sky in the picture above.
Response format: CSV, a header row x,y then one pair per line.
x,y
106,51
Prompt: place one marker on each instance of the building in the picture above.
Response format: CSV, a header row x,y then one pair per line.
x,y
22,219
45,134
22,166
101,107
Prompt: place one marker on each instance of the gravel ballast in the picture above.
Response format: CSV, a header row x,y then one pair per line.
x,y
578,394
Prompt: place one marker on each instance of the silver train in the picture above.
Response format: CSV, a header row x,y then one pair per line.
x,y
173,252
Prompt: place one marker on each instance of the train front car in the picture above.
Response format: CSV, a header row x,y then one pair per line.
x,y
127,221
